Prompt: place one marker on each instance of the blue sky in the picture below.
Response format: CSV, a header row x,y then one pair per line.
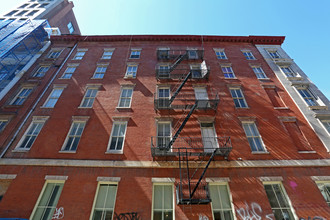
x,y
306,24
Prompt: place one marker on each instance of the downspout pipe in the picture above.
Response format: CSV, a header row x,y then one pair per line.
x,y
37,102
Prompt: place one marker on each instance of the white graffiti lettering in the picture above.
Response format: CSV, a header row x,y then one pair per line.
x,y
202,217
253,212
314,218
59,213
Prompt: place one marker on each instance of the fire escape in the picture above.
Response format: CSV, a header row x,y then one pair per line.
x,y
194,154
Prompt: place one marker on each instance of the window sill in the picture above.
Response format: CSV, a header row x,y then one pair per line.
x,y
242,107
296,78
264,79
67,152
114,152
46,107
307,152
123,108
80,107
64,78
129,77
134,58
260,152
281,108
96,78
230,78
318,107
20,150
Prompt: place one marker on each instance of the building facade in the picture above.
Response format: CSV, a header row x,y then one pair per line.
x,y
159,127
59,14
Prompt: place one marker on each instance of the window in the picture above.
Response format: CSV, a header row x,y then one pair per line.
x,y
238,98
41,71
288,71
53,98
21,96
163,71
99,72
74,135
324,187
253,136
228,71
54,53
3,123
196,71
163,53
163,134
248,55
131,71
11,13
125,97
70,27
117,137
48,201
107,54
33,5
31,133
68,72
104,202
79,55
135,54
274,54
307,96
32,13
220,53
221,204
162,202
22,12
44,5
326,124
192,54
89,98
23,6
278,201
259,72
163,97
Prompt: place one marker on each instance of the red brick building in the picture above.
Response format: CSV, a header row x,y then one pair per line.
x,y
158,127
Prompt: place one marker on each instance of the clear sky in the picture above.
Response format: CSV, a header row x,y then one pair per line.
x,y
305,23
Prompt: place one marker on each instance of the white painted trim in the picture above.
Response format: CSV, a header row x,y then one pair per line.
x,y
7,176
218,180
271,179
320,178
53,177
163,180
107,179
163,164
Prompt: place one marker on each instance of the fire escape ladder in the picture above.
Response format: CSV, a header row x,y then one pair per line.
x,y
180,87
178,61
182,126
204,171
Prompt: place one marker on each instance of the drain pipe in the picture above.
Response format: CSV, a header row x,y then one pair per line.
x,y
37,102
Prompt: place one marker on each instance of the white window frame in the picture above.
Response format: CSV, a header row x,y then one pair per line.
x,y
274,54
96,194
74,121
290,73
69,71
90,98
248,55
100,74
284,194
164,137
51,97
54,53
220,54
41,71
192,54
35,120
42,193
163,104
238,98
309,98
131,73
3,123
135,54
153,198
318,183
117,122
228,70
106,56
257,136
127,98
230,199
21,97
258,71
81,52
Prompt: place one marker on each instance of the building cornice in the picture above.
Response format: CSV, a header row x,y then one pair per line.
x,y
265,40
163,164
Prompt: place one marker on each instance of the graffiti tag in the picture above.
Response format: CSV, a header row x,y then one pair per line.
x,y
127,216
253,212
59,213
202,217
